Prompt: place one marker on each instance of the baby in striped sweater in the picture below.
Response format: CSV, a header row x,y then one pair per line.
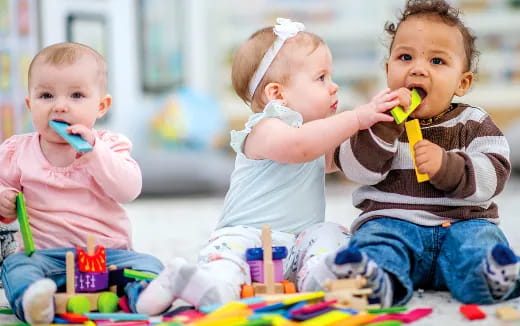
x,y
441,234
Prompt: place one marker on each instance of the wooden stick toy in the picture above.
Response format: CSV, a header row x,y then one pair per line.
x,y
267,246
413,130
25,228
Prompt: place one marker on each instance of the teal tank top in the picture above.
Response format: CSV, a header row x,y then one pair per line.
x,y
289,197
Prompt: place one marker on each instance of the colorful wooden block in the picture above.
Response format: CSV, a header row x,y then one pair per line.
x,y
472,312
90,282
413,130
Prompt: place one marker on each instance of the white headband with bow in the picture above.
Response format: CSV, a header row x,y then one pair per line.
x,y
284,30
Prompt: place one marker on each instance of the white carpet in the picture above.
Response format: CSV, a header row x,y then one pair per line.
x,y
170,227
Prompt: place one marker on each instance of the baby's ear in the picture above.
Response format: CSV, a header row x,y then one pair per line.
x,y
104,105
464,84
273,91
28,103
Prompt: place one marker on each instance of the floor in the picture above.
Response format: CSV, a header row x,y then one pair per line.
x,y
173,226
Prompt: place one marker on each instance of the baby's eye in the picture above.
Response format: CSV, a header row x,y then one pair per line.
x,y
405,57
437,61
45,96
321,78
77,95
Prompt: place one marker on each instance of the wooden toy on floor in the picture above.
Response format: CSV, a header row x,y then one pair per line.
x,y
349,293
268,285
92,275
508,313
79,144
472,312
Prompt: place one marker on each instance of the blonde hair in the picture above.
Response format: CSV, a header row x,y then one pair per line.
x,y
250,54
68,53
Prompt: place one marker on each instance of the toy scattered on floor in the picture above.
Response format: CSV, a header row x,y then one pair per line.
x,y
79,144
23,221
508,313
267,275
350,293
472,312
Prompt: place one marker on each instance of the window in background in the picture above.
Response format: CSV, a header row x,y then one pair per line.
x,y
91,30
162,30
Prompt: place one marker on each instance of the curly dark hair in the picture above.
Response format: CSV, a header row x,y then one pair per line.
x,y
448,15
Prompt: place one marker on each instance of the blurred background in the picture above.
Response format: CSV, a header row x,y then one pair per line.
x,y
169,69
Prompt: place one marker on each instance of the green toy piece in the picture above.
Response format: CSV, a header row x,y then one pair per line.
x,y
25,228
130,273
78,305
389,310
398,112
108,302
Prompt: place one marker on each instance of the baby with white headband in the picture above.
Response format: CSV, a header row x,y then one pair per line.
x,y
283,153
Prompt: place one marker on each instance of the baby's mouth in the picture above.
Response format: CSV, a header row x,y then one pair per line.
x,y
422,93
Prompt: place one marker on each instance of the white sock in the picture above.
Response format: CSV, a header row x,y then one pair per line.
x,y
351,262
159,294
501,267
201,286
188,282
38,302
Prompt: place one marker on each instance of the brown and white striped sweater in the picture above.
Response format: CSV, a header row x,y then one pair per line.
x,y
475,168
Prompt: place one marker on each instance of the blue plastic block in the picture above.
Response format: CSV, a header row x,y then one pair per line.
x,y
258,253
79,144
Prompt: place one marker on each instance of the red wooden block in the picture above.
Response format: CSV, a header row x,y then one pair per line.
x,y
472,312
74,318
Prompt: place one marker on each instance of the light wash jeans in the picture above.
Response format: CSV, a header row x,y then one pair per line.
x,y
20,271
439,258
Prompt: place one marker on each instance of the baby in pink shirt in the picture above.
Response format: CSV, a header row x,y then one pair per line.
x,y
68,195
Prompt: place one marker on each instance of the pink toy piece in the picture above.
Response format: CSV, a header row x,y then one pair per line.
x,y
257,270
123,304
408,317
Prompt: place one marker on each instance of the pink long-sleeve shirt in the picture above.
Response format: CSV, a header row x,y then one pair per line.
x,y
65,204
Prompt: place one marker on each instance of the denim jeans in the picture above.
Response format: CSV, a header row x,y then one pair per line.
x,y
20,271
440,258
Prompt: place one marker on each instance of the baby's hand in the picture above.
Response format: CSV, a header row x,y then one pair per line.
x,y
374,111
404,96
7,206
85,133
428,157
